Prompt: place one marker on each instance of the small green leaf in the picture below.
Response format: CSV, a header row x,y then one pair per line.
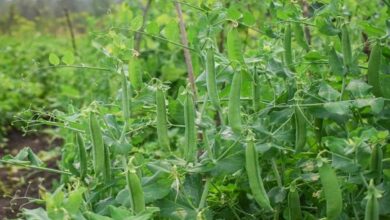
x,y
358,88
53,59
339,108
327,92
68,58
136,23
153,28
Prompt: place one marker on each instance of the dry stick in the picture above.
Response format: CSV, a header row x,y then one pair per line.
x,y
305,7
138,36
71,32
187,55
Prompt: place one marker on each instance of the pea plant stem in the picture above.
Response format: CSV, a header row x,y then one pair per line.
x,y
187,55
35,167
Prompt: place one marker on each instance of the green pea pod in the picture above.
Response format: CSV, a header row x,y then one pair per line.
x,y
107,165
294,204
125,98
288,58
97,144
332,191
346,45
135,73
256,91
335,64
137,200
318,123
300,130
82,154
254,176
190,129
376,162
373,69
372,206
162,128
211,81
234,48
234,111
300,36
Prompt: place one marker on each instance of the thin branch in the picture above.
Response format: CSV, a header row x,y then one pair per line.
x,y
71,32
187,55
138,36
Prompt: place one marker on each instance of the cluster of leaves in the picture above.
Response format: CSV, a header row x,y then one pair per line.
x,y
344,122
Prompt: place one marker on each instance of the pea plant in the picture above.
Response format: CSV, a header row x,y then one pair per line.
x,y
231,110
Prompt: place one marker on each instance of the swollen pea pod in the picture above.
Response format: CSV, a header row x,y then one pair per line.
x,y
211,81
82,153
376,162
256,91
346,45
234,48
162,128
373,69
332,191
190,129
300,36
335,64
137,200
294,204
372,206
97,144
288,58
300,130
254,176
135,72
234,111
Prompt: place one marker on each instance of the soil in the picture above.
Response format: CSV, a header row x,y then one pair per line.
x,y
17,184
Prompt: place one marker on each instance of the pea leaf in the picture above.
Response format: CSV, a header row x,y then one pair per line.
x,y
68,58
53,59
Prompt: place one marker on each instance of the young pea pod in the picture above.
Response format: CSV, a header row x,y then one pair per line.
x,y
190,129
107,165
211,81
97,144
82,154
300,130
234,48
318,130
336,66
234,106
254,176
376,162
162,128
256,92
373,69
294,204
372,206
332,191
346,45
300,36
137,200
135,72
125,98
288,58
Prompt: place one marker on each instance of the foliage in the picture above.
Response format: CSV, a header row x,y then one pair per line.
x,y
294,119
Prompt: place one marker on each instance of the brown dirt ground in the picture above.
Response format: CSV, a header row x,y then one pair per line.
x,y
18,184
